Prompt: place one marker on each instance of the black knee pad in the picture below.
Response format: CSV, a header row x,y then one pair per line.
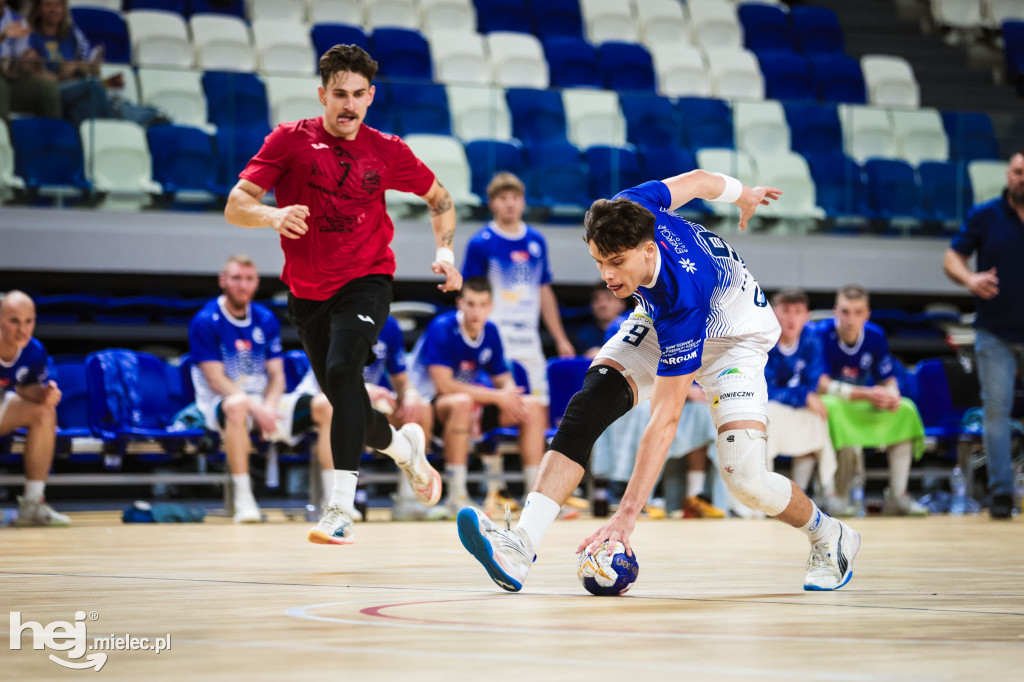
x,y
605,397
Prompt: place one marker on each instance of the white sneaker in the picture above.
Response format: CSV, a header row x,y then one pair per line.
x,y
38,513
450,509
830,565
333,528
904,505
407,508
425,480
506,554
247,511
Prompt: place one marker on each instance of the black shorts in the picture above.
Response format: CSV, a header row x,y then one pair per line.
x,y
490,418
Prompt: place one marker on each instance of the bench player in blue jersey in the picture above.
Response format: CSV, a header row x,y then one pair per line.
x,y
28,399
700,316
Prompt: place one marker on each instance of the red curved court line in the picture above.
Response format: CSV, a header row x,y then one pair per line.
x,y
377,611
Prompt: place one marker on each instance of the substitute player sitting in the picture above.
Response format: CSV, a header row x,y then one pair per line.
x,y
700,315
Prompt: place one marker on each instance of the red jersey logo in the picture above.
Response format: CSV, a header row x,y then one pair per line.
x,y
850,373
243,345
520,256
467,366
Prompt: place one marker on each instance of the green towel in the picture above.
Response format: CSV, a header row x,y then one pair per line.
x,y
860,423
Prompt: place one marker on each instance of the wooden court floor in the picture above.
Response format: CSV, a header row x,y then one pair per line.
x,y
931,599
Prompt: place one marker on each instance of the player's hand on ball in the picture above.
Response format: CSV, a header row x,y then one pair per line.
x,y
751,198
452,276
290,221
618,529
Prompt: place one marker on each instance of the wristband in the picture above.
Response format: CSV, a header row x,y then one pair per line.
x,y
445,255
840,389
733,189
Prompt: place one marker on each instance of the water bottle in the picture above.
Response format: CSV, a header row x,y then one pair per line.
x,y
361,502
857,495
600,506
958,486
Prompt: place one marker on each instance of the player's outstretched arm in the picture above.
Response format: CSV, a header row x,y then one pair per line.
x,y
700,184
245,210
442,220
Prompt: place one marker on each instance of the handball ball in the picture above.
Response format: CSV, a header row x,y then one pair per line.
x,y
608,571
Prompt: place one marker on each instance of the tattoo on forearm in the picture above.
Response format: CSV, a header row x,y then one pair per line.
x,y
443,206
447,238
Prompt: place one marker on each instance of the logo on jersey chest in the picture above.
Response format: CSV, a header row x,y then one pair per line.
x,y
243,346
520,256
485,356
688,265
371,181
865,361
850,373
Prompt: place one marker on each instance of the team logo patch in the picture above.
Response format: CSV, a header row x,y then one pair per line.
x,y
534,248
734,370
371,181
243,345
688,265
485,356
20,375
318,145
257,335
520,256
865,361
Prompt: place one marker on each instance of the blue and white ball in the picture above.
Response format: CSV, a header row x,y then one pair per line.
x,y
609,571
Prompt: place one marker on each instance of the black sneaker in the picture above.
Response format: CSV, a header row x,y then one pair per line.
x,y
1001,507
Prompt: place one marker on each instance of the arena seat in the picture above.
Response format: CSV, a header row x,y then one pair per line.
x,y
963,14
760,128
117,161
235,99
446,157
920,135
565,377
459,57
552,18
737,163
593,117
816,30
605,20
107,28
765,27
48,156
8,179
487,157
234,8
788,170
555,177
814,128
284,12
517,60
447,15
292,98
787,76
838,78
650,120
867,132
537,115
159,39
611,170
999,11
296,364
178,93
572,62
890,81
114,5
946,190
735,74
502,15
348,12
1013,51
681,70
705,122
327,35
283,46
74,433
222,43
391,14
988,179
235,147
839,184
183,161
714,25
479,113
626,67
176,6
402,53
661,21
893,189
665,161
971,135
421,108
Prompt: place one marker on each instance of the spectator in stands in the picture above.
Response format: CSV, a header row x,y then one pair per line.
x,y
605,308
28,399
995,230
865,408
797,418
75,65
239,378
21,88
456,350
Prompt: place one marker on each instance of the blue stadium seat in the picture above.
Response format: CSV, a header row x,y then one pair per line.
x,y
381,114
557,176
838,78
787,76
502,15
565,377
235,146
48,154
817,30
893,189
487,157
177,6
705,123
556,18
231,7
946,190
73,409
650,120
421,108
296,364
661,161
68,307
611,170
537,115
765,27
235,99
971,136
935,403
326,36
572,61
107,28
402,53
626,67
814,129
183,158
1013,52
839,184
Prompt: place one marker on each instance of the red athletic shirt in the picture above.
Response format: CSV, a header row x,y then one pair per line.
x,y
342,182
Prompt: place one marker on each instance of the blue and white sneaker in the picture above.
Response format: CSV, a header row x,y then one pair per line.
x,y
506,554
334,528
830,565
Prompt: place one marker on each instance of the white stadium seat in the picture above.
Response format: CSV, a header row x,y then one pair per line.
x,y
760,128
479,113
681,70
391,14
890,81
920,135
336,12
998,11
988,179
130,91
714,24
284,11
118,163
222,43
788,171
735,74
178,93
459,57
957,13
8,180
114,5
608,20
593,117
517,60
867,133
447,158
447,15
159,39
292,99
283,47
736,163
661,22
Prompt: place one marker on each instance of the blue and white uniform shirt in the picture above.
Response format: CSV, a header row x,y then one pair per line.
x,y
701,287
866,363
445,343
243,346
28,367
388,353
793,372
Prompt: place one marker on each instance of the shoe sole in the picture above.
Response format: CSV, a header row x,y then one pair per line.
x,y
318,537
474,542
849,574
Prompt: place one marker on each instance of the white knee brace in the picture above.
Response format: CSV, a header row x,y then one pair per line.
x,y
741,462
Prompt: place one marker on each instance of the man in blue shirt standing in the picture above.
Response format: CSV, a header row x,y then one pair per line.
x,y
28,398
995,230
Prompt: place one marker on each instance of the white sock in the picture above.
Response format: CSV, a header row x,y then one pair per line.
x,y
529,476
494,465
34,490
695,481
343,492
400,449
326,486
243,488
900,457
538,515
819,526
803,469
456,480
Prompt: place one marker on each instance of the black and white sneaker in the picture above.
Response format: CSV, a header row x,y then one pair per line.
x,y
830,565
506,554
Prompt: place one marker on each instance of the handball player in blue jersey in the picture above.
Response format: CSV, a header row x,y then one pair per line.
x,y
28,399
700,316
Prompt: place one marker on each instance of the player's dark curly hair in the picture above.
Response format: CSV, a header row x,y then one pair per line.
x,y
617,225
350,58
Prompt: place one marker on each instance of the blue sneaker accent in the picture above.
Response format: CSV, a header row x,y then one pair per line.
x,y
476,544
815,588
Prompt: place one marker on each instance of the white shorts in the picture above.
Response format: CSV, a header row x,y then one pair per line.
x,y
731,371
6,400
522,344
285,418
